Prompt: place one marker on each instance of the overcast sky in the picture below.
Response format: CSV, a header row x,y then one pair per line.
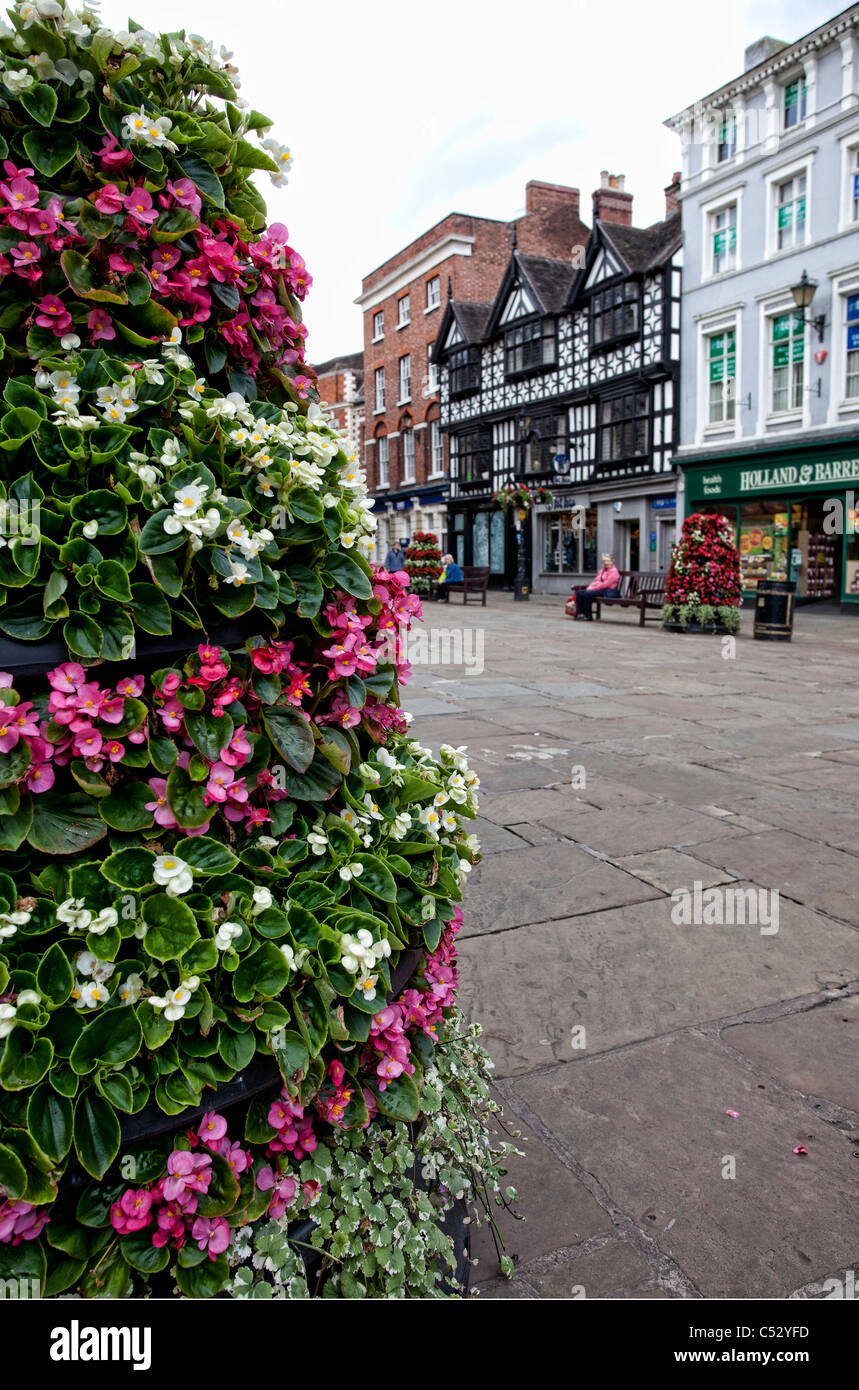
x,y
397,114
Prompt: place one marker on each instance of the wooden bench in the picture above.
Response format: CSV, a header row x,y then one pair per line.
x,y
641,589
475,580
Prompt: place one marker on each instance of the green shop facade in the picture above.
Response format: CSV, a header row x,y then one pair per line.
x,y
795,510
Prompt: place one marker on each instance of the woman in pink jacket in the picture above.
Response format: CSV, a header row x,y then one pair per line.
x,y
606,585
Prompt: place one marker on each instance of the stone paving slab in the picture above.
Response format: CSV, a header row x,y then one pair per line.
x,y
650,1121
545,882
630,973
815,1052
614,1270
815,874
668,869
634,829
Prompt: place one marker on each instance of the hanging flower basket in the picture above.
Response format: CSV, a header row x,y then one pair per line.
x,y
522,496
230,878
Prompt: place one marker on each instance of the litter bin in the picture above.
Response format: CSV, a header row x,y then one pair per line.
x,y
774,610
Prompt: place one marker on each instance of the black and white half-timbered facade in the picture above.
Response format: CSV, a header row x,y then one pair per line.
x,y
569,380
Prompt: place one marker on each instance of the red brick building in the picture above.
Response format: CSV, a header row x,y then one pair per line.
x,y
403,302
340,383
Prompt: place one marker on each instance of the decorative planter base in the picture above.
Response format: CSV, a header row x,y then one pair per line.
x,y
707,629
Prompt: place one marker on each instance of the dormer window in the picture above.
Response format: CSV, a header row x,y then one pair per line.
x,y
530,346
615,314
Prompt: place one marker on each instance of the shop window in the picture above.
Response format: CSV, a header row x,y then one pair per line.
x,y
815,555
787,348
614,314
722,376
763,542
851,384
570,541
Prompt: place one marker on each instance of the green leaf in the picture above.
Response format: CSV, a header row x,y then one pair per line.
x,y
377,878
40,102
237,1049
205,1280
291,733
26,1059
130,868
201,173
206,854
83,637
113,1037
81,276
96,1133
15,827
14,764
65,822
49,1120
13,1174
151,609
125,807
185,799
400,1099
55,977
261,972
290,1052
171,927
347,574
309,589
49,153
141,1254
208,733
117,632
112,578
116,1088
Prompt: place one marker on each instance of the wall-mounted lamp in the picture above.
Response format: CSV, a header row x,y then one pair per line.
x,y
803,294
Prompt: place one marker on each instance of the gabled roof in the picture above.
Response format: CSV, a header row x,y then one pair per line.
x,y
537,284
464,323
617,250
350,362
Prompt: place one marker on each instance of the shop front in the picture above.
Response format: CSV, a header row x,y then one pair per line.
x,y
794,512
578,526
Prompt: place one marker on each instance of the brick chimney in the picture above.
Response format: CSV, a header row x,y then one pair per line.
x,y
551,226
542,197
672,202
611,202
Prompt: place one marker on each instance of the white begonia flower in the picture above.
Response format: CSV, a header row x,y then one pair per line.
x,y
90,529
289,956
73,914
7,1019
131,989
449,821
174,1001
431,819
372,809
282,158
89,996
171,453
172,874
190,498
137,125
400,827
11,921
64,387
237,532
350,817
107,918
87,963
19,80
349,871
226,934
318,841
367,985
262,899
266,842
239,574
29,996
69,342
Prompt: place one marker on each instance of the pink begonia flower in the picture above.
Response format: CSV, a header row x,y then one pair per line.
x,y
198,271
9,733
112,709
187,1173
171,715
237,1157
186,194
158,806
283,1190
7,680
120,264
132,1212
138,204
212,1233
24,717
25,253
66,677
171,683
130,685
109,200
267,659
111,154
171,1224
34,221
221,779
21,1221
165,257
302,385
238,750
20,192
88,742
312,1189
114,750
212,1129
52,313
100,325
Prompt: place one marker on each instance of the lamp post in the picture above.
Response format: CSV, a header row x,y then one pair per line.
x,y
521,584
803,294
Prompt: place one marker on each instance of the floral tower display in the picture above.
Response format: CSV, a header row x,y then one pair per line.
x,y
703,591
423,561
229,887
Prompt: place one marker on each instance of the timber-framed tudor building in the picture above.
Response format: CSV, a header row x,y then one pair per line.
x,y
568,379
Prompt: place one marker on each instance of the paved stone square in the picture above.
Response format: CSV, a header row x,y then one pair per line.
x,y
619,764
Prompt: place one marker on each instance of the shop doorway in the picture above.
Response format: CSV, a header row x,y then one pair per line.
x,y
628,555
667,530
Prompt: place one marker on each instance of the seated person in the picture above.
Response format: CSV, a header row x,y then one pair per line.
x,y
605,585
452,575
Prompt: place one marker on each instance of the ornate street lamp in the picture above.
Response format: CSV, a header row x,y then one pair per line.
x,y
803,294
